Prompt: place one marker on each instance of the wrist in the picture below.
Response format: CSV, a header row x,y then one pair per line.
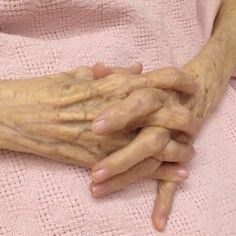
x,y
212,67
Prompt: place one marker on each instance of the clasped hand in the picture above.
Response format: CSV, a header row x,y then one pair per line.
x,y
165,132
139,125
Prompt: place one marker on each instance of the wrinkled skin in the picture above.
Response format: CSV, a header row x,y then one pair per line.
x,y
52,116
167,129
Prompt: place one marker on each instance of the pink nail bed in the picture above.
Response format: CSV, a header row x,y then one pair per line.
x,y
182,173
100,175
98,190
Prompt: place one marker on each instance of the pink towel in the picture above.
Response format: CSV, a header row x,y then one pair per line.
x,y
41,197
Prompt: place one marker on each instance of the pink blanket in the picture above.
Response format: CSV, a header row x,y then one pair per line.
x,y
41,197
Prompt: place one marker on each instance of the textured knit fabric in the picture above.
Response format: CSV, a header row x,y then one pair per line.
x,y
42,197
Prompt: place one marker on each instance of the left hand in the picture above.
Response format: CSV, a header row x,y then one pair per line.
x,y
152,108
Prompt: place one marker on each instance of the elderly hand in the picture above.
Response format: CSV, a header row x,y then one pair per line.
x,y
163,117
51,116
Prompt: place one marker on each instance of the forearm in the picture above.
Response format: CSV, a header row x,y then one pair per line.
x,y
216,62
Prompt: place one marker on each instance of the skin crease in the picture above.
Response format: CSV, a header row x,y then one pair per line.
x,y
62,133
212,68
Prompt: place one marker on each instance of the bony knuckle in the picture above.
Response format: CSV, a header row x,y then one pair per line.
x,y
154,138
149,98
183,117
156,141
153,96
171,149
172,74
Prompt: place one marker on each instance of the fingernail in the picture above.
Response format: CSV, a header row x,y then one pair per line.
x,y
100,175
162,223
182,173
100,126
98,190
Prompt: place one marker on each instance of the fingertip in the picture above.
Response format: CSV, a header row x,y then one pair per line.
x,y
100,70
100,175
183,172
136,68
97,190
158,222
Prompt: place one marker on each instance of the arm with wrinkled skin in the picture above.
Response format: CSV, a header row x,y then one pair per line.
x,y
215,63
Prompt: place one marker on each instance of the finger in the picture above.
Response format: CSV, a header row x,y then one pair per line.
x,y
176,152
175,117
171,172
163,204
138,104
100,70
83,72
148,168
148,142
173,78
167,78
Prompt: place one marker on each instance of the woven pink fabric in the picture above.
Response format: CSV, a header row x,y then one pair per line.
x,y
41,197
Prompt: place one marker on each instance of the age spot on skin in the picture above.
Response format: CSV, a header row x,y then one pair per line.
x,y
67,86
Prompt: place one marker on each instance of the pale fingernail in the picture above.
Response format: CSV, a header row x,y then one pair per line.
x,y
162,223
100,175
98,190
100,126
182,173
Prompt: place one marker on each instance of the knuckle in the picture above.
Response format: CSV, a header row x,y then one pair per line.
x,y
172,74
156,140
147,98
171,152
153,97
115,84
183,117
